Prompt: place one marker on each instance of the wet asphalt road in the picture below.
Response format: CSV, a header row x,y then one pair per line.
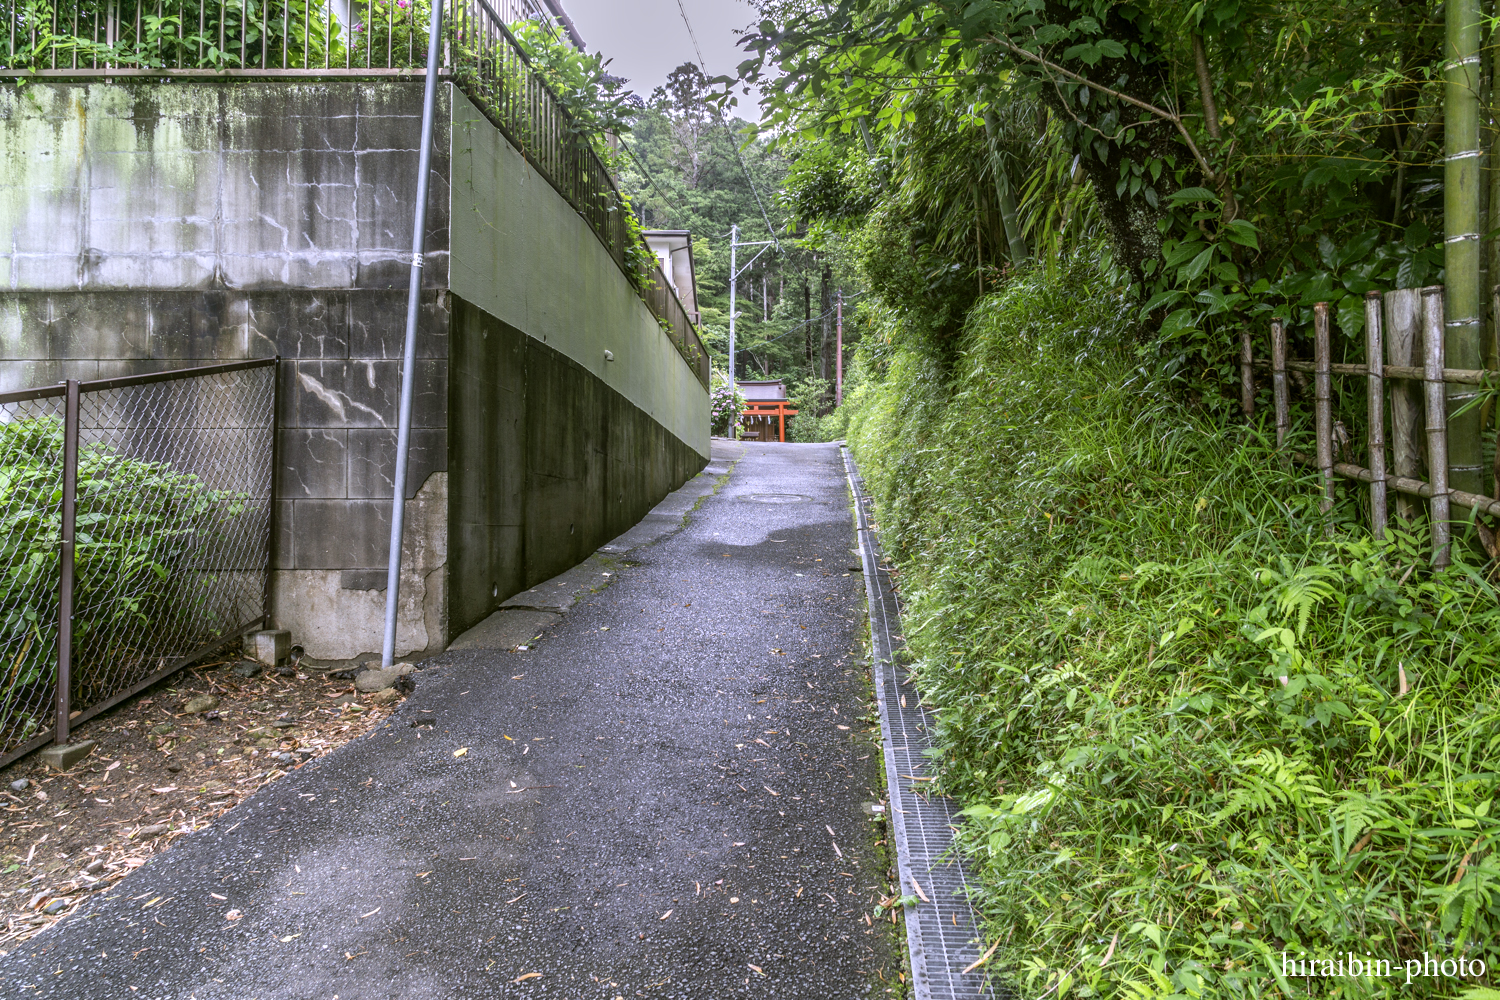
x,y
658,799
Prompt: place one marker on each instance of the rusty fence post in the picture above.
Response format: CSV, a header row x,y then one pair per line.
x,y
67,556
273,525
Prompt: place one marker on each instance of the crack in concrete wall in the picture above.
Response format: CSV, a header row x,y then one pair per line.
x,y
146,227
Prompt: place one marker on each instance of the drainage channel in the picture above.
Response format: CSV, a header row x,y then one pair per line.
x,y
941,934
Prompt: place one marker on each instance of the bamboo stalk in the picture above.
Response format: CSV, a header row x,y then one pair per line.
x,y
1323,403
1403,347
1278,380
1373,354
1437,422
1495,333
1009,217
1463,338
1407,373
1407,486
1247,374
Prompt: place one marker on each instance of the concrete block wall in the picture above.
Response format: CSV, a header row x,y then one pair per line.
x,y
156,225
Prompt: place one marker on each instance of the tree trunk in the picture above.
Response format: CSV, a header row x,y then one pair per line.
x,y
825,329
807,332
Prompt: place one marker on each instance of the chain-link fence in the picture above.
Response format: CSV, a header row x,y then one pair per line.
x,y
135,536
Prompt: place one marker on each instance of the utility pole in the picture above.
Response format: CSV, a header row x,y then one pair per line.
x,y
734,245
734,272
838,385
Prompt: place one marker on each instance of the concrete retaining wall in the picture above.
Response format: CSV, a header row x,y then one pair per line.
x,y
149,225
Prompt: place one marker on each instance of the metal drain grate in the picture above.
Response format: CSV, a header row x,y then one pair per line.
x,y
942,936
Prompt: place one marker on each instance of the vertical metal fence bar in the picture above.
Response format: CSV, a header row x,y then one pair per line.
x,y
1247,374
1374,358
1323,403
273,523
1437,422
68,556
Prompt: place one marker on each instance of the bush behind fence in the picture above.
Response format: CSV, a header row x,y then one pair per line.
x,y
158,490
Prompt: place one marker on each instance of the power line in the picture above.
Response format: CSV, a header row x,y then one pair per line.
x,y
703,66
808,322
650,179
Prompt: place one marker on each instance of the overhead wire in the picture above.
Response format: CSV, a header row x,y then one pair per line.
x,y
718,115
807,322
649,178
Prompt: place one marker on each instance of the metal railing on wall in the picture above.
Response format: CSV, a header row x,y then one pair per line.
x,y
273,38
136,522
1403,361
667,307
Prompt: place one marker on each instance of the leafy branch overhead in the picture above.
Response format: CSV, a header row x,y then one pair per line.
x,y
1239,157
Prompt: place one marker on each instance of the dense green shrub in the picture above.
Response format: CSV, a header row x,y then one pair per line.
x,y
1191,729
137,525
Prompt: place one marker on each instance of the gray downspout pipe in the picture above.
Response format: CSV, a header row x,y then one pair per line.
x,y
409,349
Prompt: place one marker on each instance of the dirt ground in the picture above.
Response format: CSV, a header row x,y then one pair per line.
x,y
159,773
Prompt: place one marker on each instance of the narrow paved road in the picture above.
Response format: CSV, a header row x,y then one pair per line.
x,y
664,797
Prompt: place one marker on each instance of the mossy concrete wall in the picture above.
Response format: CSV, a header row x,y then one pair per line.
x,y
522,255
152,225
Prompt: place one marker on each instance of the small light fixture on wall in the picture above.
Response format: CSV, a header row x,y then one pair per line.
x,y
609,355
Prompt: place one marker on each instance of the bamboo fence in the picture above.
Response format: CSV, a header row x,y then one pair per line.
x,y
1404,328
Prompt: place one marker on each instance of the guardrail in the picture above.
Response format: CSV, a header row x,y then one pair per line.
x,y
135,536
278,38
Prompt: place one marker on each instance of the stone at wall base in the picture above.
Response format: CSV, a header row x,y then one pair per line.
x,y
61,756
378,679
271,646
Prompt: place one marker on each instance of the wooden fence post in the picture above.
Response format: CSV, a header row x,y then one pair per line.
x,y
1247,374
1437,422
1374,358
1403,346
1278,381
1323,401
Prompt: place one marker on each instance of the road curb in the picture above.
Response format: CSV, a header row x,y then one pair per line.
x,y
942,935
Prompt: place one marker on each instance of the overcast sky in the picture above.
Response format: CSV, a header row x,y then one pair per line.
x,y
646,39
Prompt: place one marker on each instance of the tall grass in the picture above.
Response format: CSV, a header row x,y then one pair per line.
x,y
1191,731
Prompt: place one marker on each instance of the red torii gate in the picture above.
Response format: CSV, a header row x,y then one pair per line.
x,y
779,409
765,399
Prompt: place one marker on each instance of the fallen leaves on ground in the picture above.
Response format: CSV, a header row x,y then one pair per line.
x,y
157,774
